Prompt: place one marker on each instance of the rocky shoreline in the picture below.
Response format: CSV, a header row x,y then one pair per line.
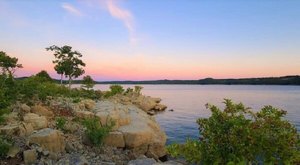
x,y
136,138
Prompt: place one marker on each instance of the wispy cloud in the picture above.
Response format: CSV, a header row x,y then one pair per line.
x,y
123,15
71,9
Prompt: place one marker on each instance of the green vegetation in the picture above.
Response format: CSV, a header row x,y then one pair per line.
x,y
67,62
60,123
8,64
95,131
4,147
114,89
238,135
88,82
138,89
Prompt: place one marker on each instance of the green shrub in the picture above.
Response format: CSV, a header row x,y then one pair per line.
x,y
95,131
237,135
114,89
138,89
4,147
60,123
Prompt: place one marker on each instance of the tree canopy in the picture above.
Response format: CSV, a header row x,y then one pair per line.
x,y
8,64
67,62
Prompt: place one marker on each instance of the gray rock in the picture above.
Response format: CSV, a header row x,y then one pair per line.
x,y
145,161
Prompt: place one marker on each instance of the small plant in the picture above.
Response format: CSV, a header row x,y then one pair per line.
x,y
76,100
138,89
60,123
4,147
95,131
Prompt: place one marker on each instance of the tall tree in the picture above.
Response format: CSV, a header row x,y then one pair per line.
x,y
8,64
67,62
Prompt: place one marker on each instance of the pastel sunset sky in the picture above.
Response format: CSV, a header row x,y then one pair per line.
x,y
156,39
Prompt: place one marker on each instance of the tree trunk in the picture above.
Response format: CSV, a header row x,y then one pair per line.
x,y
61,77
70,82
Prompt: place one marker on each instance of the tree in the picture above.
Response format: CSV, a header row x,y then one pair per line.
x,y
43,76
8,64
67,62
88,82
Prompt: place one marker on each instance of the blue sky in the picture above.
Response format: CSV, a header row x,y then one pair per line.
x,y
157,39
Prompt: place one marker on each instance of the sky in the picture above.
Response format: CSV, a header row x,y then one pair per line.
x,y
156,39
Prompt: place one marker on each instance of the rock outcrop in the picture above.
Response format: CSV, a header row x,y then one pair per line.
x,y
133,128
48,139
37,122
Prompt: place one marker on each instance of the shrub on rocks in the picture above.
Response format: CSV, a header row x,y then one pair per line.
x,y
95,131
4,147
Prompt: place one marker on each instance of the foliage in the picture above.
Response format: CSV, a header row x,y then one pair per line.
x,y
114,89
8,64
138,89
237,135
95,131
60,123
4,147
88,82
67,62
43,76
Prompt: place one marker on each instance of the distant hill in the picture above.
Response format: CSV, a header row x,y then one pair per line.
x,y
285,80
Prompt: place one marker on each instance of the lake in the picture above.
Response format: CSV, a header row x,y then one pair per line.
x,y
188,103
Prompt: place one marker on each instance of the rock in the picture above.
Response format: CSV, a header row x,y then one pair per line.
x,y
13,151
115,139
160,107
170,162
12,117
48,139
43,111
25,108
30,156
84,114
45,153
88,104
71,127
145,161
73,159
25,129
10,130
37,122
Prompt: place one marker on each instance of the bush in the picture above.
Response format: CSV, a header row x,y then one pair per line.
x,y
238,135
4,147
114,89
95,131
60,123
138,89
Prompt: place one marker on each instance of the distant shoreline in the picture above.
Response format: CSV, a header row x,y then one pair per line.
x,y
285,80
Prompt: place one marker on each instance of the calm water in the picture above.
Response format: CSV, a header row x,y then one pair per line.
x,y
188,102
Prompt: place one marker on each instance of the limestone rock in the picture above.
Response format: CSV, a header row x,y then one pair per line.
x,y
115,139
48,139
25,129
88,104
10,130
73,159
25,108
84,114
160,107
145,161
13,151
37,122
43,111
30,157
12,117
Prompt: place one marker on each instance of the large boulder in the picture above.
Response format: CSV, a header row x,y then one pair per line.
x,y
88,104
43,111
115,139
138,130
30,157
37,122
48,139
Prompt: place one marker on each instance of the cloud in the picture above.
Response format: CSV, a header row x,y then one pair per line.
x,y
123,15
71,9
